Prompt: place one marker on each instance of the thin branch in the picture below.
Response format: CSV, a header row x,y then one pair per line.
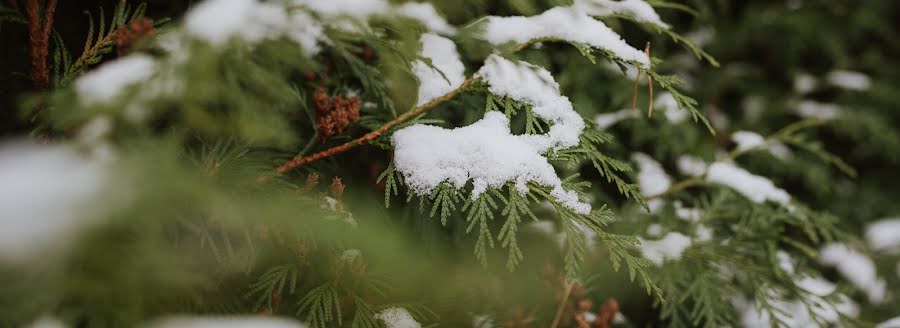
x,y
299,161
39,28
562,305
649,83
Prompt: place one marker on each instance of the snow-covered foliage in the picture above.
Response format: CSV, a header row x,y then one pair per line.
x,y
652,179
396,317
110,79
884,235
486,151
226,322
754,187
448,72
855,267
669,247
563,23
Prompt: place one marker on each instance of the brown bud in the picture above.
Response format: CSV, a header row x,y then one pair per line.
x,y
129,34
337,188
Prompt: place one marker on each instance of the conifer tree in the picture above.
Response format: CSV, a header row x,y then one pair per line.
x,y
513,163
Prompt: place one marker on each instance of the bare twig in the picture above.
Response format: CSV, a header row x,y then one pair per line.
x,y
649,82
562,304
40,25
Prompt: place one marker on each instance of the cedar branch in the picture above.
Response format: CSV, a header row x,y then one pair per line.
x,y
303,160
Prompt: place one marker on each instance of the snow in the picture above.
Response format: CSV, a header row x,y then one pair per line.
x,y
638,9
849,80
535,85
690,165
703,233
564,23
350,255
813,109
666,102
218,21
425,13
796,313
442,53
226,322
652,179
607,120
107,81
884,235
747,140
43,198
397,318
47,322
892,323
804,83
855,267
756,188
360,9
785,262
655,230
486,151
686,213
669,247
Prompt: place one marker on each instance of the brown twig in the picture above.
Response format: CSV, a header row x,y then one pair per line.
x,y
39,28
649,83
562,304
300,161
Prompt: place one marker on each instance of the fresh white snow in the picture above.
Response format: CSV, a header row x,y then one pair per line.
x,y
564,23
106,82
892,323
638,9
652,179
442,53
850,80
396,317
691,166
804,83
669,247
884,235
747,140
813,109
225,322
754,187
856,267
667,104
606,120
43,198
486,151
425,13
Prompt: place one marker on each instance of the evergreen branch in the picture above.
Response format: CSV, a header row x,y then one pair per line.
x,y
301,161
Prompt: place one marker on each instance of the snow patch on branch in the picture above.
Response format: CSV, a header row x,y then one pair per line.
x,y
564,23
652,179
638,9
669,247
691,166
443,55
884,235
850,80
43,197
756,188
486,152
105,83
856,267
396,317
535,85
225,322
